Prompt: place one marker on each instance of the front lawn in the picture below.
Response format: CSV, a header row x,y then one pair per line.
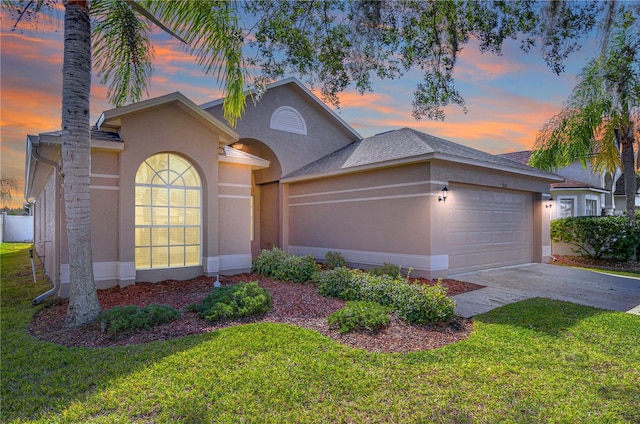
x,y
533,361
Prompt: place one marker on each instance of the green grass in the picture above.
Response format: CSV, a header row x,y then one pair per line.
x,y
533,361
613,272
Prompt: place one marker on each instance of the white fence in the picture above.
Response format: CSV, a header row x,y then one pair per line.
x,y
16,228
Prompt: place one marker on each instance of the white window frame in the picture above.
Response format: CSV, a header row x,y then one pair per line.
x,y
590,197
169,225
574,199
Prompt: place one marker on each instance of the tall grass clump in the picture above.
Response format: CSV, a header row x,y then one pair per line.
x,y
279,265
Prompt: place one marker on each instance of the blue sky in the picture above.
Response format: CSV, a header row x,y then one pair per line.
x,y
508,97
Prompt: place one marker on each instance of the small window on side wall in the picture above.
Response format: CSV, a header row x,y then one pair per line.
x,y
566,208
591,207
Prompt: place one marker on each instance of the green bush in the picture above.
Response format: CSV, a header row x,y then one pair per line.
x,y
610,236
415,303
391,270
333,260
125,319
360,316
277,264
239,300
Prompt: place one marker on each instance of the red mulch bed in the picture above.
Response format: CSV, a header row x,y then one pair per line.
x,y
604,264
296,304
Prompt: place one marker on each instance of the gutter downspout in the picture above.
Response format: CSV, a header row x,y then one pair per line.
x,y
58,175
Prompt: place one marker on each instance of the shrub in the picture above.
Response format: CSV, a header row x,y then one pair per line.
x,y
389,269
239,300
360,316
125,319
333,260
418,304
268,261
611,236
277,264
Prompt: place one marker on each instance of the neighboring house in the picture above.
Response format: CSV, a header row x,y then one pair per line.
x,y
177,193
620,199
583,193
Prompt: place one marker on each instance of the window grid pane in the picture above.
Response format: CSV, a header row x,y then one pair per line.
x,y
167,213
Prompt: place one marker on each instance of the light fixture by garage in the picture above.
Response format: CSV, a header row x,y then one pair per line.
x,y
443,195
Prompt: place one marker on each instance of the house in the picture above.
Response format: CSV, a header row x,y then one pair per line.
x,y
583,192
176,193
620,198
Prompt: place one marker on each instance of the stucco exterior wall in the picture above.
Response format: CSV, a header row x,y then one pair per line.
x,y
324,134
168,128
393,214
235,218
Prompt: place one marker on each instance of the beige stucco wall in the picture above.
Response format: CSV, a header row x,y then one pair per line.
x,y
393,215
168,128
235,217
324,134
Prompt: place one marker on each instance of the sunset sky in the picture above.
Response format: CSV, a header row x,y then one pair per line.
x,y
508,97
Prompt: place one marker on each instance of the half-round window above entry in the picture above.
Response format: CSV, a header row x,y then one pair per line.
x,y
286,118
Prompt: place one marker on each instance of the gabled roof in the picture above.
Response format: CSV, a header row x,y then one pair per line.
x,y
294,81
406,146
112,118
520,157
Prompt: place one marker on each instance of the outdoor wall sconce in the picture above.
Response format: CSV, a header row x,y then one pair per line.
x,y
443,195
549,203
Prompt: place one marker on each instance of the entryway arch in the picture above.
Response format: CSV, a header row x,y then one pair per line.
x,y
265,191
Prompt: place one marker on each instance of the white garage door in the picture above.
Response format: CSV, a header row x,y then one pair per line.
x,y
489,228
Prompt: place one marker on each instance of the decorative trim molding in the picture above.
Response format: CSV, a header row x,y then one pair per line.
x,y
355,190
98,187
105,176
363,199
216,264
418,262
210,264
104,271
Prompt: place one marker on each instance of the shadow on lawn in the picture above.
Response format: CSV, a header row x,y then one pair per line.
x,y
42,379
551,317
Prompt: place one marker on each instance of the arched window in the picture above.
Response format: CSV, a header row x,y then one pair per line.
x,y
168,224
288,119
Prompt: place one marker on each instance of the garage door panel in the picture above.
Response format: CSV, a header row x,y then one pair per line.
x,y
489,228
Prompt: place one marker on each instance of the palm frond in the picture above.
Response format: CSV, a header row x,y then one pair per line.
x,y
213,35
122,50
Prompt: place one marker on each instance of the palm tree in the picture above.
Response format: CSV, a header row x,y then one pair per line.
x,y
599,121
123,58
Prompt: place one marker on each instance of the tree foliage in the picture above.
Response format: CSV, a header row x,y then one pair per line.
x,y
8,185
599,122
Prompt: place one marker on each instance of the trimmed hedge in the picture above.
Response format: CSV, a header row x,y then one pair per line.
x,y
609,236
237,301
126,319
415,303
279,265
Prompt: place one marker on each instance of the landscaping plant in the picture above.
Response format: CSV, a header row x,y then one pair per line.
x,y
415,303
333,260
610,236
125,319
279,265
360,316
237,301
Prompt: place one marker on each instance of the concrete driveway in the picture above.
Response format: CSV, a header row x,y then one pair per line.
x,y
511,284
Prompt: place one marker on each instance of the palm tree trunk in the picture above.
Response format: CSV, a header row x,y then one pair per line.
x,y
628,168
76,161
